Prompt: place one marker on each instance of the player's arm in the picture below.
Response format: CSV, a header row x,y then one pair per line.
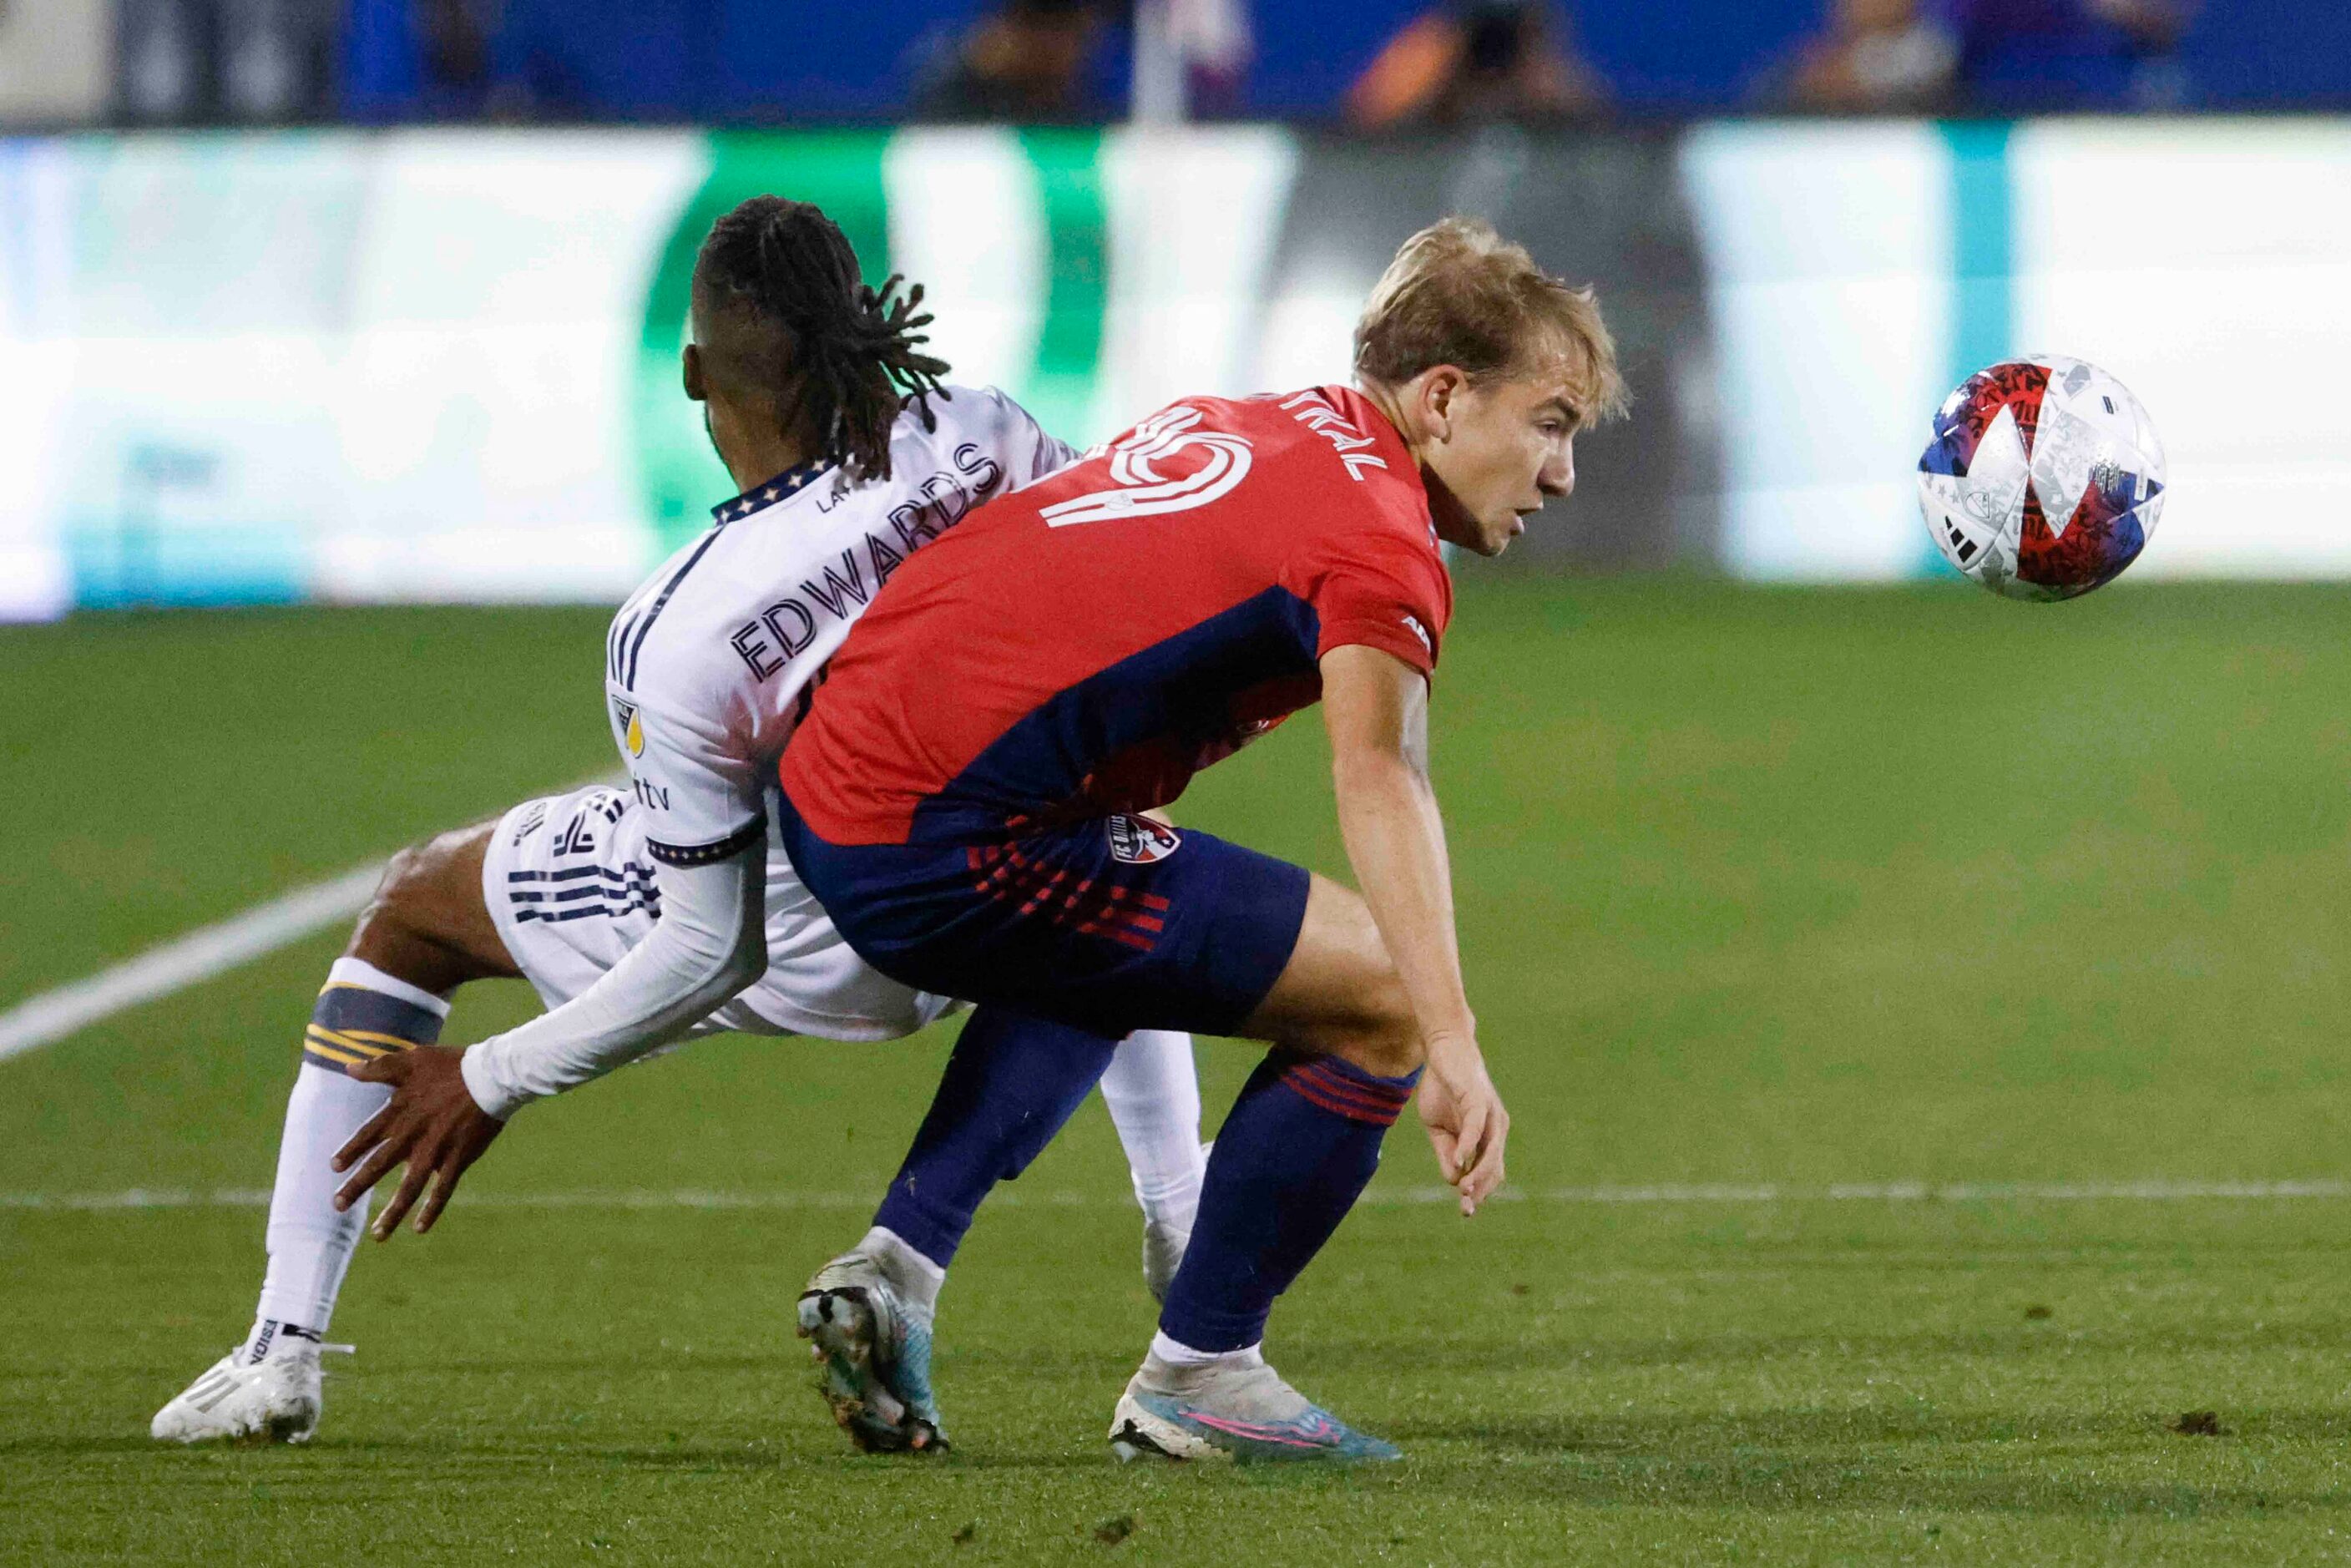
x,y
447,1106
1376,708
709,942
709,842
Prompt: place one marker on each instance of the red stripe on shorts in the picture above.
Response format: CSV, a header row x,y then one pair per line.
x,y
1004,873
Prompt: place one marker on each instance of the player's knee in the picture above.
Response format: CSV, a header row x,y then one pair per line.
x,y
429,923
1394,1049
1379,1033
396,895
412,904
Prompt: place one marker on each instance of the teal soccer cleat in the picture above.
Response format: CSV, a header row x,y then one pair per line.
x,y
872,1352
1235,1408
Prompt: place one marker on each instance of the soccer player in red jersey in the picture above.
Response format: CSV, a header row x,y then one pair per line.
x,y
965,797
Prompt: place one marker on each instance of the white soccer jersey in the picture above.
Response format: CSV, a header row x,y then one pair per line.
x,y
711,664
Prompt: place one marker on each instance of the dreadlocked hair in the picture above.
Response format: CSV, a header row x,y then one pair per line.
x,y
850,359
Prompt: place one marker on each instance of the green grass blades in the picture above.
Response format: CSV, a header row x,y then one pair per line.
x,y
170,769
1805,890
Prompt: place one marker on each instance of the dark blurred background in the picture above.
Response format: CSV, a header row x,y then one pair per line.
x,y
1368,62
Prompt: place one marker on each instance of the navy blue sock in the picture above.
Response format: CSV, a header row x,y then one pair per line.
x,y
1010,1084
1290,1161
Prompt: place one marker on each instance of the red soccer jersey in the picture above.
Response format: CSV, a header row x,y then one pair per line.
x,y
1085,645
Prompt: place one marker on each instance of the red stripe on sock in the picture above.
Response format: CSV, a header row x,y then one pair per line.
x,y
1355,1103
1363,1104
1382,1095
1315,1097
1313,1092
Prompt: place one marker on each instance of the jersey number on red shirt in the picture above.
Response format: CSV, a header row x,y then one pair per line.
x,y
1143,492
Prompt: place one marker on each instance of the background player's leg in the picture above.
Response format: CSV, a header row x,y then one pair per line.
x,y
360,1012
426,931
1010,1086
1153,1090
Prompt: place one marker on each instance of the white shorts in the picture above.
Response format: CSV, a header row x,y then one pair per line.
x,y
572,890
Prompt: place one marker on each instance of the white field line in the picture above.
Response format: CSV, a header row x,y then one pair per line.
x,y
184,961
1846,1192
200,955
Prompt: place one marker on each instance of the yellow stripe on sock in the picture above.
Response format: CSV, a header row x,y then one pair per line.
x,y
330,1054
390,1041
319,1033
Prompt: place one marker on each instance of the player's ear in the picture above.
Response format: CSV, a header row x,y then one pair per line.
x,y
1439,386
696,387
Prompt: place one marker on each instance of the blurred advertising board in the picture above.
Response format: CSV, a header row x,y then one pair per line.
x,y
436,365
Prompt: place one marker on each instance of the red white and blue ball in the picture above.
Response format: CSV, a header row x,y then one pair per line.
x,y
2044,478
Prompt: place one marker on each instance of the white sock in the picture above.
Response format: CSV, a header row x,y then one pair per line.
x,y
270,1339
1154,1096
913,1276
1176,1353
310,1245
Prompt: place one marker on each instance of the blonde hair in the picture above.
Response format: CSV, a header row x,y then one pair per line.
x,y
1459,294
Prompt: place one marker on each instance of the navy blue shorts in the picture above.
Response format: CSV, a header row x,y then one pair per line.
x,y
1111,924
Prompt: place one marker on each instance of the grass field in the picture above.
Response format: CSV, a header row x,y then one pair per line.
x,y
1822,892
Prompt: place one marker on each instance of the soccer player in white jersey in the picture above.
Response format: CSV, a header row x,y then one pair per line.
x,y
648,916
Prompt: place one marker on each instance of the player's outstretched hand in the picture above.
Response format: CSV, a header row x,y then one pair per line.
x,y
1466,1120
431,1124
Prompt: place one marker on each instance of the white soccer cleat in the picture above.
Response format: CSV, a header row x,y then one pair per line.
x,y
275,1400
1236,1407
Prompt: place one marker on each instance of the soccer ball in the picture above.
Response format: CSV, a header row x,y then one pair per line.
x,y
2044,478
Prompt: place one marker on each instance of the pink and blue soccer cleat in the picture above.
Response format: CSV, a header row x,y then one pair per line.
x,y
1234,1408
